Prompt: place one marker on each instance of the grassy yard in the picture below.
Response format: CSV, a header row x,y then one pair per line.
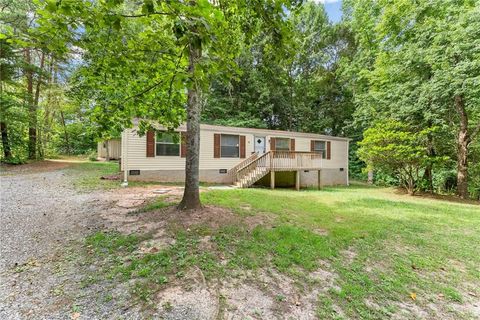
x,y
387,253
384,247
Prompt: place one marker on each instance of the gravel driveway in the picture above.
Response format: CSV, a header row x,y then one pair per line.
x,y
40,214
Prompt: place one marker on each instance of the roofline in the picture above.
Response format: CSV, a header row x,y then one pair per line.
x,y
210,127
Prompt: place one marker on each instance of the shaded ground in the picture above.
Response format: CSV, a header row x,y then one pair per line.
x,y
74,247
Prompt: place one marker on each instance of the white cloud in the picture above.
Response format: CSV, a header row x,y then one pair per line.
x,y
326,1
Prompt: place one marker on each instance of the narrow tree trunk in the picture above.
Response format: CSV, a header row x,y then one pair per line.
x,y
107,152
428,174
370,177
32,114
7,152
67,142
35,103
462,149
191,195
5,143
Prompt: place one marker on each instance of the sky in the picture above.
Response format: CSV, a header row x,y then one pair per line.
x,y
333,8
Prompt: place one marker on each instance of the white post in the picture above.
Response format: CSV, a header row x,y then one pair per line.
x,y
297,180
123,158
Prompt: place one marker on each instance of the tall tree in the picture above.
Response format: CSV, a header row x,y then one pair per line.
x,y
418,64
148,59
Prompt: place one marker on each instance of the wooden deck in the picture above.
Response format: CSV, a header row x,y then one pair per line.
x,y
257,166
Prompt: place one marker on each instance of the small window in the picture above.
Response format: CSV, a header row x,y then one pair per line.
x,y
168,144
282,144
320,147
229,146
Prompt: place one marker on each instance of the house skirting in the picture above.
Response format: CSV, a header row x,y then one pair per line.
x,y
328,177
210,176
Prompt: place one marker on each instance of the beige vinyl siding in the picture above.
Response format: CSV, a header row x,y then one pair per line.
x,y
137,159
135,146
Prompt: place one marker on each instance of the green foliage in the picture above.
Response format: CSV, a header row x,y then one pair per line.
x,y
292,86
155,204
112,242
392,147
411,62
137,53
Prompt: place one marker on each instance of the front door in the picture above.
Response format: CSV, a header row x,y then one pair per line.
x,y
260,145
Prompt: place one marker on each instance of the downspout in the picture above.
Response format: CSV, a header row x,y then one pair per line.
x,y
124,158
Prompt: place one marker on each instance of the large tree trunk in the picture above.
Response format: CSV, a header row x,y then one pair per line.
x,y
191,195
462,149
5,143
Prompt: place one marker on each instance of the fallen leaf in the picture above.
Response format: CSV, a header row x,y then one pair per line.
x,y
413,295
75,315
473,294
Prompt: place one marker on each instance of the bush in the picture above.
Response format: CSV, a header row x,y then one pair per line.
x,y
93,156
14,160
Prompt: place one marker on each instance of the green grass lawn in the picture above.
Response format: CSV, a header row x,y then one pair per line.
x,y
384,248
87,176
382,245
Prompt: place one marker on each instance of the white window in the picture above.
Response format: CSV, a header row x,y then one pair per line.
x,y
167,144
320,147
229,146
282,144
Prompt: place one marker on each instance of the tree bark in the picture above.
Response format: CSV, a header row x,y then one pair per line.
x,y
7,152
107,153
35,104
428,174
191,194
67,142
32,114
462,149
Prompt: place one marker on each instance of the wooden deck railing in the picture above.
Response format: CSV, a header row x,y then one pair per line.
x,y
233,171
260,163
295,160
276,161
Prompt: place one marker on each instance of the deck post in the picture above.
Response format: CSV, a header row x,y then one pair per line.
x,y
319,180
272,179
297,180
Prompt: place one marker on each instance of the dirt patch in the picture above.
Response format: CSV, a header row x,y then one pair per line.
x,y
321,232
348,255
434,196
35,167
179,303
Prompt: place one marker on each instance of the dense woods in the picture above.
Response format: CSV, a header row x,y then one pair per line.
x,y
401,78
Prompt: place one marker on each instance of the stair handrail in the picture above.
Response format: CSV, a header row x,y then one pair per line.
x,y
233,171
243,171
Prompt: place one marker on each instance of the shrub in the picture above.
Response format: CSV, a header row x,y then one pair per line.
x,y
93,156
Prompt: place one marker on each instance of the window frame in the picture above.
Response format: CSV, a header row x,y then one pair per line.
x,y
289,143
323,151
179,143
238,145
